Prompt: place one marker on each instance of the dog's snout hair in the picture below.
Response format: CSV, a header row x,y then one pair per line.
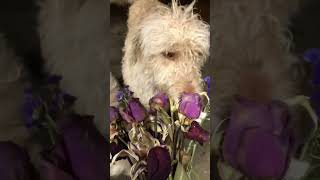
x,y
165,49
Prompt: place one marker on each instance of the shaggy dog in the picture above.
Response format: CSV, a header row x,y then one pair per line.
x,y
165,49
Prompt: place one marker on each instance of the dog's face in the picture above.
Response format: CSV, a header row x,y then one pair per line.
x,y
172,46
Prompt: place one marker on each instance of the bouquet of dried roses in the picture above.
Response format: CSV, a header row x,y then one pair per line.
x,y
159,141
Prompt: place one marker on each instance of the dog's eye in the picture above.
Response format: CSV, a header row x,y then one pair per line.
x,y
169,55
198,53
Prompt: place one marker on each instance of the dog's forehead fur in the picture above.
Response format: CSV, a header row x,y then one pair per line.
x,y
174,28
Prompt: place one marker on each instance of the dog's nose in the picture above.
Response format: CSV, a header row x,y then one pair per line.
x,y
189,88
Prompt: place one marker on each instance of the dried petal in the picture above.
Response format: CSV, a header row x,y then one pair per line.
x,y
161,100
197,133
134,112
158,163
190,105
263,154
138,111
252,123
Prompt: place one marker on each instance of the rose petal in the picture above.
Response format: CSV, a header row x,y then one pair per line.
x,y
246,115
190,105
159,100
197,133
263,155
158,163
139,113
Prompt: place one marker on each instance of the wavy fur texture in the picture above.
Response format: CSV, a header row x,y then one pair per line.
x,y
165,49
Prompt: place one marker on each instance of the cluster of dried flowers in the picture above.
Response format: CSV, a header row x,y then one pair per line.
x,y
154,140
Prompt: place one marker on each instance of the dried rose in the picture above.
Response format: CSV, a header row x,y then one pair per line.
x,y
158,163
197,133
134,112
161,100
190,105
257,139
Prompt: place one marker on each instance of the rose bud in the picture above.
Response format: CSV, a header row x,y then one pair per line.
x,y
190,105
15,164
158,163
114,114
134,112
161,100
197,133
257,139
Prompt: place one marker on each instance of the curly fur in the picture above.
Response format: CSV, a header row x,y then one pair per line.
x,y
155,29
74,44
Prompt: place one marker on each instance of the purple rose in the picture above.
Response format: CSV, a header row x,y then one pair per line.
x,y
158,163
197,133
81,155
190,105
114,114
161,100
15,164
257,139
134,112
